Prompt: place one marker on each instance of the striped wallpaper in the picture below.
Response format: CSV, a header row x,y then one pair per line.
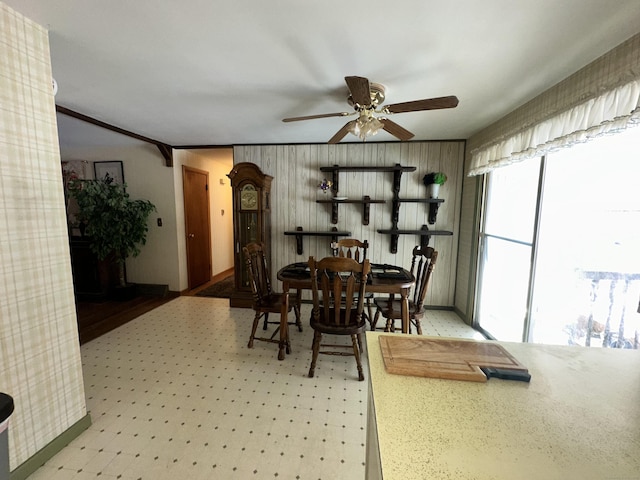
x,y
39,351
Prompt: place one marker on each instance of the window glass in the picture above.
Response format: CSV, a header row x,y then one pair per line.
x,y
511,200
504,286
587,284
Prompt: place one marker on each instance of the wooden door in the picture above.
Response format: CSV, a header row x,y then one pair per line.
x,y
197,225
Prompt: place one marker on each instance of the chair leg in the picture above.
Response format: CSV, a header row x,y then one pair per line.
x,y
356,353
253,329
288,344
390,327
418,327
371,321
296,309
360,342
375,321
266,320
317,336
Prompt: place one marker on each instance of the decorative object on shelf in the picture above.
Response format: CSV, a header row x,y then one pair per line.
x,y
325,185
115,225
339,198
433,181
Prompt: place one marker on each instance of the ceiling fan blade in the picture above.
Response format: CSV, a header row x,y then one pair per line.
x,y
426,104
311,117
396,130
342,132
360,91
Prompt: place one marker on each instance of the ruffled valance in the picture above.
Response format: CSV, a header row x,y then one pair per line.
x,y
609,112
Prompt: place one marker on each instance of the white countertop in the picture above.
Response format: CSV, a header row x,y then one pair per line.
x,y
578,418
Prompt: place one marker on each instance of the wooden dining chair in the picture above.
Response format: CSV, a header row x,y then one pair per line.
x,y
356,249
264,299
338,287
350,248
422,265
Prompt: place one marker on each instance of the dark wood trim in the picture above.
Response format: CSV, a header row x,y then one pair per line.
x,y
165,150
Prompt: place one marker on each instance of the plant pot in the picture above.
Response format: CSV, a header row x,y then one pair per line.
x,y
434,190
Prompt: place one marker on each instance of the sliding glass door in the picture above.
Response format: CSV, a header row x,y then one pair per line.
x,y
560,247
506,250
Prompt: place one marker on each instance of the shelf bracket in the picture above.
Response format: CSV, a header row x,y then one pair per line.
x,y
425,237
299,241
433,212
366,208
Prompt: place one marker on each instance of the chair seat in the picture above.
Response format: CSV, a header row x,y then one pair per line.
x,y
272,303
393,309
350,328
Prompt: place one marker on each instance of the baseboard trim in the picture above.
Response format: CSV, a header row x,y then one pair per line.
x,y
51,449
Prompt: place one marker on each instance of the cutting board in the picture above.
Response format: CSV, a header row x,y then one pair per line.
x,y
454,359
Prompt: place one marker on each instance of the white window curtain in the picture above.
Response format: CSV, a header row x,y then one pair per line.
x,y
606,113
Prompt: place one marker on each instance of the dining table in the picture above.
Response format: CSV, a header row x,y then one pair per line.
x,y
384,279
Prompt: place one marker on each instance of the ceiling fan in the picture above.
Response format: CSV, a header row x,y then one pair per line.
x,y
365,98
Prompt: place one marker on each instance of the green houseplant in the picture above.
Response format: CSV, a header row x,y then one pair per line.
x,y
433,181
116,226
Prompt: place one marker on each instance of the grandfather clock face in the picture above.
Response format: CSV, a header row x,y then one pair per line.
x,y
248,198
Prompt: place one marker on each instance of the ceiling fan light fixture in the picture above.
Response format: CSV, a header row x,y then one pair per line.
x,y
365,126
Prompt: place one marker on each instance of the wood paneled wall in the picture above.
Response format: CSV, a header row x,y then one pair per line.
x,y
296,172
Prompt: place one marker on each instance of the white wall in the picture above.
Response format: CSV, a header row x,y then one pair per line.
x,y
147,178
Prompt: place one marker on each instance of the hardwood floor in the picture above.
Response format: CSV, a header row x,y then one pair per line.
x,y
96,318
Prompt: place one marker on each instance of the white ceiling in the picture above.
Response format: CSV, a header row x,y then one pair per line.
x,y
224,72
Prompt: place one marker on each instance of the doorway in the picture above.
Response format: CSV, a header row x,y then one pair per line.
x,y
197,225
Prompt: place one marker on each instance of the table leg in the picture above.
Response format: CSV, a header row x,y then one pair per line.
x,y
404,309
284,322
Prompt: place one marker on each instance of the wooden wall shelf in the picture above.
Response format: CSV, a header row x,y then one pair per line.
x,y
394,231
334,233
366,204
434,204
397,170
424,232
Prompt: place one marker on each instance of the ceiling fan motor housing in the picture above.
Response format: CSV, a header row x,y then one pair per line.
x,y
377,92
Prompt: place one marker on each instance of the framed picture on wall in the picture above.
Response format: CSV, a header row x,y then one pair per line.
x,y
112,169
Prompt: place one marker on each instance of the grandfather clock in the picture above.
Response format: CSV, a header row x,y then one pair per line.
x,y
251,222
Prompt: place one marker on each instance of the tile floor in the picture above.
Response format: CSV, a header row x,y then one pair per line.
x,y
176,394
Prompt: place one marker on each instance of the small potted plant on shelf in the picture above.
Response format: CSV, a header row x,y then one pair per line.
x,y
116,226
433,181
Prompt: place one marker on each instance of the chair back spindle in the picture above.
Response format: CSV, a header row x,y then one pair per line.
x,y
351,248
338,288
422,265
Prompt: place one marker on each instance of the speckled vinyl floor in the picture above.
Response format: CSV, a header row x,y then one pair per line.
x,y
176,394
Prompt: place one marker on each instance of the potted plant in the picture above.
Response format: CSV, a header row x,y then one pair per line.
x,y
433,181
116,226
